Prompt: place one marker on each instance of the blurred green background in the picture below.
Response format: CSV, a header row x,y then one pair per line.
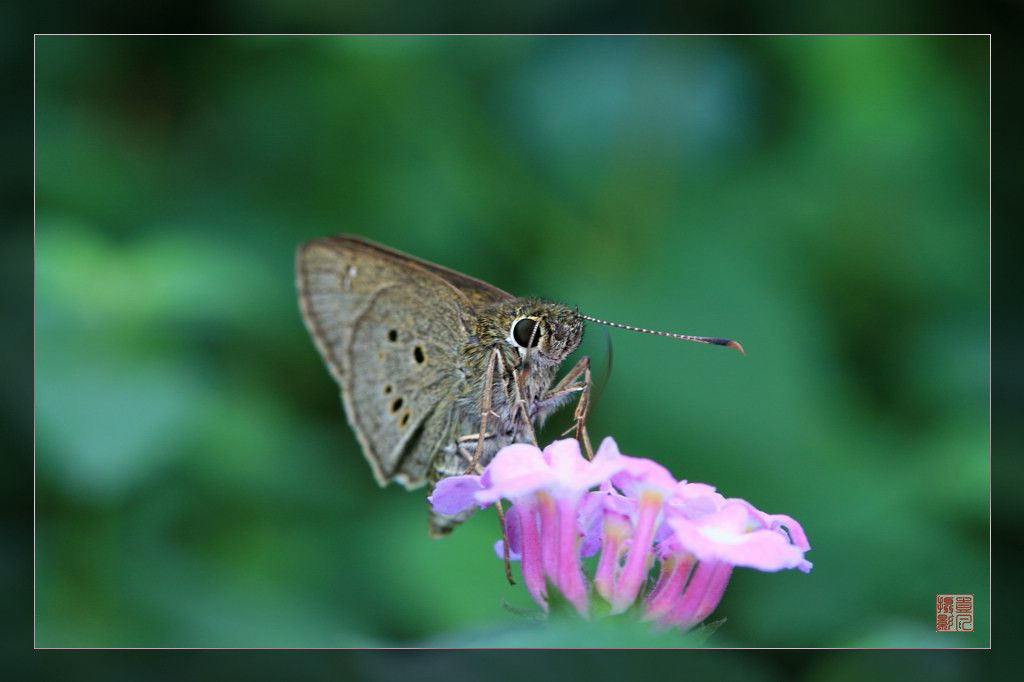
x,y
822,199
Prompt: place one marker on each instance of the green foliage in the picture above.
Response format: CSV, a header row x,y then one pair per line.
x,y
822,200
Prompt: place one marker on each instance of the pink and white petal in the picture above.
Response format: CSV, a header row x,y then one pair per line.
x,y
640,475
565,459
516,470
575,473
589,520
723,536
608,450
607,461
694,500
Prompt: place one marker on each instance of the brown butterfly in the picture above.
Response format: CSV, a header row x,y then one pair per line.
x,y
438,370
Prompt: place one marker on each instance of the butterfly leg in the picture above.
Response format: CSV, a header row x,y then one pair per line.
x,y
519,379
504,543
577,380
485,413
477,469
582,410
462,443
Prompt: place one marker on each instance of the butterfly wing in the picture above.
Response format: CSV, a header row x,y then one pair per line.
x,y
391,329
478,293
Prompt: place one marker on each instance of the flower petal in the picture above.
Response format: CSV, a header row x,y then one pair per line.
x,y
518,469
639,476
499,549
725,536
456,494
576,474
514,531
694,500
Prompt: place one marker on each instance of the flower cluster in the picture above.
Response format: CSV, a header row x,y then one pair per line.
x,y
635,514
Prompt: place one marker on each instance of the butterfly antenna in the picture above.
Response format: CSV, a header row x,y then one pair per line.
x,y
684,337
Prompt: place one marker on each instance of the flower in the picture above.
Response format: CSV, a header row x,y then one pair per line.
x,y
546,488
639,516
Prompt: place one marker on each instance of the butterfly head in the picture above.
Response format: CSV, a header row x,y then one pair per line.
x,y
547,332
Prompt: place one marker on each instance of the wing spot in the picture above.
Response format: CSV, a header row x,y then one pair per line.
x,y
388,389
350,274
393,335
396,405
419,355
404,421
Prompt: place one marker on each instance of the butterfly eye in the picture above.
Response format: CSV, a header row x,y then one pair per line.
x,y
523,333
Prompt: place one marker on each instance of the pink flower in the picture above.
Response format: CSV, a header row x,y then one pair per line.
x,y
547,488
710,536
737,534
648,484
638,516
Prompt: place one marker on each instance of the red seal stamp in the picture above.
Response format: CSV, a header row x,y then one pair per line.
x,y
954,613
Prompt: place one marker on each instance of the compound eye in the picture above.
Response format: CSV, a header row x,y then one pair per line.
x,y
523,333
